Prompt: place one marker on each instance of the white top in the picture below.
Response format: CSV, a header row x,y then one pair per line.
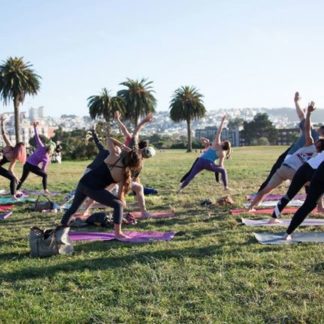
x,y
296,160
316,160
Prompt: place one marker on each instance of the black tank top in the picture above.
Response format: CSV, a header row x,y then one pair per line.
x,y
98,178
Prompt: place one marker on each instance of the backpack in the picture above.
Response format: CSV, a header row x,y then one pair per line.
x,y
44,243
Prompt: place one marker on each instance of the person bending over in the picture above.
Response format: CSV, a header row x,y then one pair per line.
x,y
316,190
42,156
218,150
116,168
293,162
299,143
11,154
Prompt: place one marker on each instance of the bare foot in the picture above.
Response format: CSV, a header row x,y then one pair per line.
x,y
121,236
46,192
251,210
274,221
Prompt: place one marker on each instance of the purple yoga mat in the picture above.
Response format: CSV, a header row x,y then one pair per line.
x,y
5,215
135,237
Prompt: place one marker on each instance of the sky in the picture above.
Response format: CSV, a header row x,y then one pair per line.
x,y
252,53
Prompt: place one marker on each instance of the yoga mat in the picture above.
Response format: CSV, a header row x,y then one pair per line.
x,y
135,237
284,222
273,203
5,207
266,211
278,238
276,197
9,200
155,215
27,192
5,215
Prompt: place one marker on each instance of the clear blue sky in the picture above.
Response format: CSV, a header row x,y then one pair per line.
x,y
237,53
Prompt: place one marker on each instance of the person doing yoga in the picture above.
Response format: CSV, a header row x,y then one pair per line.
x,y
207,158
302,176
300,142
116,168
131,140
293,162
42,156
316,190
11,154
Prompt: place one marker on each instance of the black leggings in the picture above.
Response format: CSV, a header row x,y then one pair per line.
x,y
102,196
302,175
13,182
34,169
316,190
274,168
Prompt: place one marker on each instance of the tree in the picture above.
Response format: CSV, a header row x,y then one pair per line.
x,y
138,98
235,123
260,126
103,105
17,79
186,104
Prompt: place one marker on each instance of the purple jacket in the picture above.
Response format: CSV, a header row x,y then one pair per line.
x,y
40,155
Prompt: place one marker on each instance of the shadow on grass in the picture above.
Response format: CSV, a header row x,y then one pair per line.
x,y
105,263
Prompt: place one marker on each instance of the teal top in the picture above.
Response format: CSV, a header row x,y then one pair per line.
x,y
210,154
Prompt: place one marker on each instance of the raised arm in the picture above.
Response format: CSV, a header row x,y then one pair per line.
x,y
308,134
299,110
217,140
122,126
3,132
38,141
148,118
96,140
112,143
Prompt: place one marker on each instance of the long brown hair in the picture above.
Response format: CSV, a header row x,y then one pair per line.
x,y
132,162
226,146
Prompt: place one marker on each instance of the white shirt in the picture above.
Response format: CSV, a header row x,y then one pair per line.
x,y
316,160
296,160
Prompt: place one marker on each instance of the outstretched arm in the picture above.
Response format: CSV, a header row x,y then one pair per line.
x,y
148,118
217,140
299,110
122,126
38,141
96,140
308,136
4,135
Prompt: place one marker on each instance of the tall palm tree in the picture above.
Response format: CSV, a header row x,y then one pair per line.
x,y
138,98
17,79
104,105
186,104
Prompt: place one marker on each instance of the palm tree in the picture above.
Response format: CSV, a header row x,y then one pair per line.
x,y
138,98
17,80
186,104
104,105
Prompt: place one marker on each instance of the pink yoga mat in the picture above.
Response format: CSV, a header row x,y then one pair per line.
x,y
135,237
5,207
157,214
271,197
266,211
5,215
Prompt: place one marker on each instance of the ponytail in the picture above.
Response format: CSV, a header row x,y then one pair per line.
x,y
226,146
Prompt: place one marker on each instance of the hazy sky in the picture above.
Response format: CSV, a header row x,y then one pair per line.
x,y
252,53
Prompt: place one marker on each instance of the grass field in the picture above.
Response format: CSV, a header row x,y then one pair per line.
x,y
214,273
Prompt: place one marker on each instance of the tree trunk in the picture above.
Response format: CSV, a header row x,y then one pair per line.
x,y
189,135
17,121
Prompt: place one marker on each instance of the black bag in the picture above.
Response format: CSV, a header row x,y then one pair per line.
x,y
43,205
100,219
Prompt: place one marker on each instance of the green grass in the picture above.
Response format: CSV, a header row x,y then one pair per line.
x,y
214,273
